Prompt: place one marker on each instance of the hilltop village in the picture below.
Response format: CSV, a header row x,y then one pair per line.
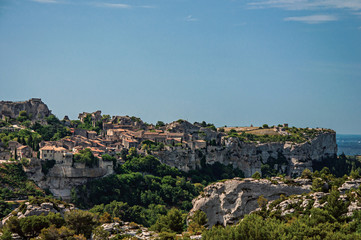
x,y
61,154
116,135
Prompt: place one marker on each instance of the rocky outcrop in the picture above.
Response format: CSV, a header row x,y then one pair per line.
x,y
35,108
301,203
129,229
351,184
27,209
288,158
62,178
227,202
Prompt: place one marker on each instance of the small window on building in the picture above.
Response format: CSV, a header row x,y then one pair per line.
x,y
44,155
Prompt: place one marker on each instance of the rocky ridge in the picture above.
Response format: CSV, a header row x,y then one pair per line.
x,y
130,229
33,208
287,158
35,108
301,203
226,202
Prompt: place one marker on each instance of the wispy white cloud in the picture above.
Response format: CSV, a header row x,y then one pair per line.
x,y
307,4
190,18
45,1
113,5
313,19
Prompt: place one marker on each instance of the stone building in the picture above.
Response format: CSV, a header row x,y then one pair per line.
x,y
59,154
24,152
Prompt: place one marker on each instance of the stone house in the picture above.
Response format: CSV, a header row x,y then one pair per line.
x,y
199,144
24,152
92,134
128,143
13,145
81,132
59,154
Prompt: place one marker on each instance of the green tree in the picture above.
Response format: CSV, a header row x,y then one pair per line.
x,y
159,124
6,234
53,233
197,222
31,226
306,174
82,222
87,157
172,222
100,234
13,224
262,201
256,175
336,207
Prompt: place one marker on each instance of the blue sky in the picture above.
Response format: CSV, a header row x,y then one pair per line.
x,y
228,62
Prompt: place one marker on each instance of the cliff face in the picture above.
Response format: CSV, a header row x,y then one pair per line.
x,y
227,202
289,158
62,178
34,107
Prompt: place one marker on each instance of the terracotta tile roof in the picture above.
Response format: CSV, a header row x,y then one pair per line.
x,y
53,148
47,148
22,147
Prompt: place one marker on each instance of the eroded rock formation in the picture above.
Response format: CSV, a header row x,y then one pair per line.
x,y
227,202
31,209
35,108
289,158
61,178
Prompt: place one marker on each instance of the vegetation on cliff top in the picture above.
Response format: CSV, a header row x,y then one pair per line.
x,y
296,135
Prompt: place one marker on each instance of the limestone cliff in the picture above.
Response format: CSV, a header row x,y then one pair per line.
x,y
289,158
227,202
32,208
35,108
62,178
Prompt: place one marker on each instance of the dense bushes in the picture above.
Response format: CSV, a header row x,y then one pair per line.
x,y
5,208
53,130
319,225
53,226
339,166
23,136
137,189
213,172
297,135
87,124
14,183
139,214
149,165
86,156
